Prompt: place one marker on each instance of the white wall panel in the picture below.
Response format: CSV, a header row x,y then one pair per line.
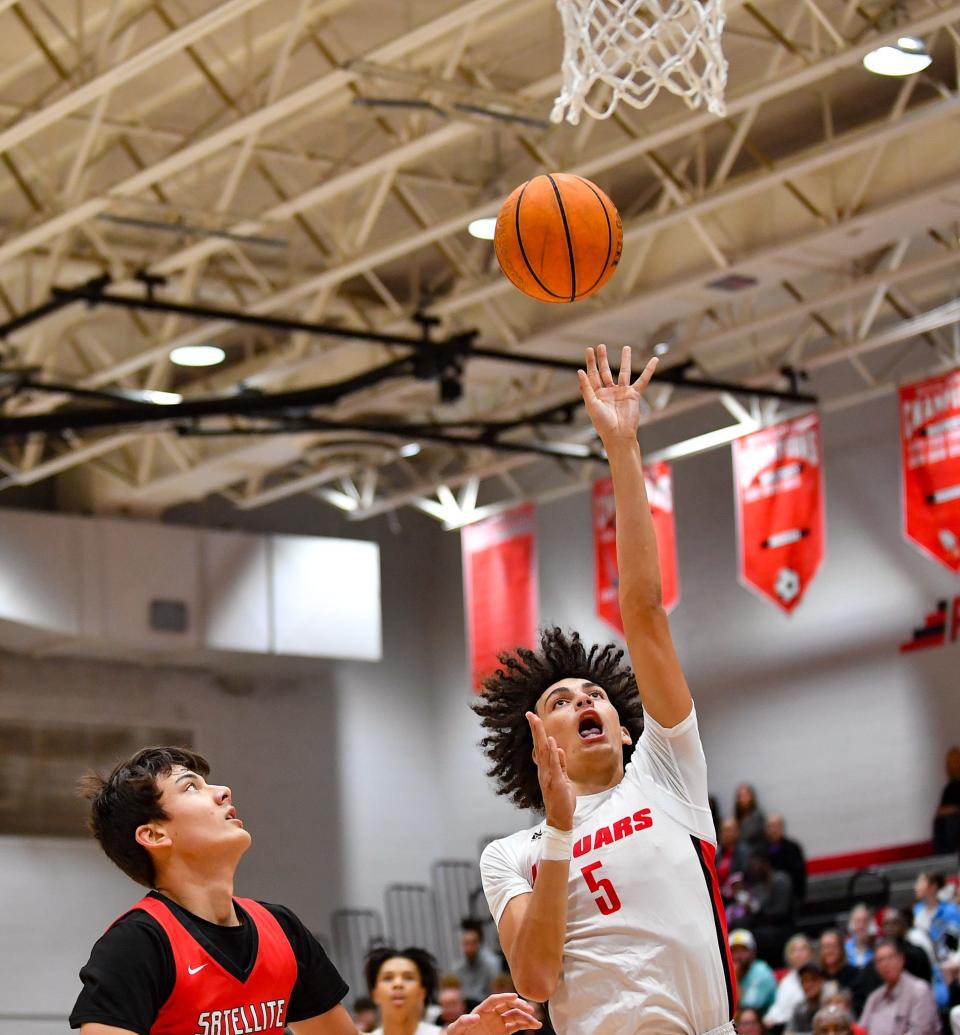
x,y
40,572
236,592
326,597
141,562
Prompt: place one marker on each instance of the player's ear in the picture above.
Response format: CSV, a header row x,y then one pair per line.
x,y
152,835
625,737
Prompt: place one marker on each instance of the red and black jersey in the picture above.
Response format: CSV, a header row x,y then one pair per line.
x,y
160,970
211,996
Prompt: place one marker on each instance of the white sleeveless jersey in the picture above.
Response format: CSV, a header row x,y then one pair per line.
x,y
645,951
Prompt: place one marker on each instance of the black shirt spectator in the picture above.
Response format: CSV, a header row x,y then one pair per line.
x,y
787,856
771,900
833,960
946,823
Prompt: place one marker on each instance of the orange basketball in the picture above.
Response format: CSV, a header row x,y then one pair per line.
x,y
558,238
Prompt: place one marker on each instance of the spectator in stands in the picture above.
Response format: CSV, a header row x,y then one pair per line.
x,y
756,983
904,1003
478,966
748,1021
451,1001
731,857
894,925
364,1014
771,901
938,919
787,856
833,1020
789,991
748,815
403,981
946,821
811,980
862,930
842,998
833,959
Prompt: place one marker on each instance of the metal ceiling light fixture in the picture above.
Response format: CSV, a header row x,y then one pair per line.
x,y
483,229
907,56
197,356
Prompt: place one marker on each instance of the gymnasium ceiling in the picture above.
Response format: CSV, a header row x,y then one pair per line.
x,y
318,161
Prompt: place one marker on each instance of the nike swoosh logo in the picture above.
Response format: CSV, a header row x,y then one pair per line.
x,y
195,970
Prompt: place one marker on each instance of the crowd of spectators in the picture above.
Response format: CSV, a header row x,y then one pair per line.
x,y
888,972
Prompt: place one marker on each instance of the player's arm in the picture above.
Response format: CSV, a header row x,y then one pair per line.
x,y
533,926
614,409
334,1022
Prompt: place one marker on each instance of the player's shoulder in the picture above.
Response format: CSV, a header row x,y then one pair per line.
x,y
134,937
291,924
512,846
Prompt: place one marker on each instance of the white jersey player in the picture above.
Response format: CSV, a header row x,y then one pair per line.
x,y
610,908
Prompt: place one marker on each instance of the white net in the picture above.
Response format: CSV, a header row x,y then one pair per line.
x,y
635,48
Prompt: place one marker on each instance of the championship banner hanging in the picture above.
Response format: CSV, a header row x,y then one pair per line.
x,y
930,466
659,482
778,479
500,587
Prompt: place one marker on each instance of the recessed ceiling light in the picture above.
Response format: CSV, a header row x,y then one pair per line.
x,y
197,356
908,57
483,229
661,348
160,398
410,449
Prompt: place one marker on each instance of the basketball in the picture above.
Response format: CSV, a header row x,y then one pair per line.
x,y
558,238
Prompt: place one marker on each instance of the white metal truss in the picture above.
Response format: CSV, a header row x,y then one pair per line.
x,y
332,129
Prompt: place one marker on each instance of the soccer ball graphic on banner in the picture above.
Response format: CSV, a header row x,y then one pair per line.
x,y
787,586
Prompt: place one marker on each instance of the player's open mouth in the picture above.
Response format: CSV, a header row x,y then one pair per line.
x,y
232,814
590,728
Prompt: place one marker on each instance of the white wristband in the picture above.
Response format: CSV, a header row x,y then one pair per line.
x,y
556,844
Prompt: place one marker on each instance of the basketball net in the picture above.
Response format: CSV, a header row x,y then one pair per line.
x,y
636,48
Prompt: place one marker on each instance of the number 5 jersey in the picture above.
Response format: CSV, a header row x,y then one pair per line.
x,y
645,951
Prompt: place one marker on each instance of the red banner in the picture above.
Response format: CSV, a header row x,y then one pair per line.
x,y
659,482
930,466
500,586
778,478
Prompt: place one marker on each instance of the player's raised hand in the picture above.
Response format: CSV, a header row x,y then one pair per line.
x,y
559,794
613,403
500,1014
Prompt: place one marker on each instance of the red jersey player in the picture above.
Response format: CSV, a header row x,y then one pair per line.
x,y
191,959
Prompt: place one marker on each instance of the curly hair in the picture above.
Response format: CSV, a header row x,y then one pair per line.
x,y
423,960
513,690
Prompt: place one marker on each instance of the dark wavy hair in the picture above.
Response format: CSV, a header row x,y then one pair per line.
x,y
420,958
514,690
130,797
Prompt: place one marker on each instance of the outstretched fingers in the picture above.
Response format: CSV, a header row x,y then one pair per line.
x,y
593,373
644,379
624,376
603,363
